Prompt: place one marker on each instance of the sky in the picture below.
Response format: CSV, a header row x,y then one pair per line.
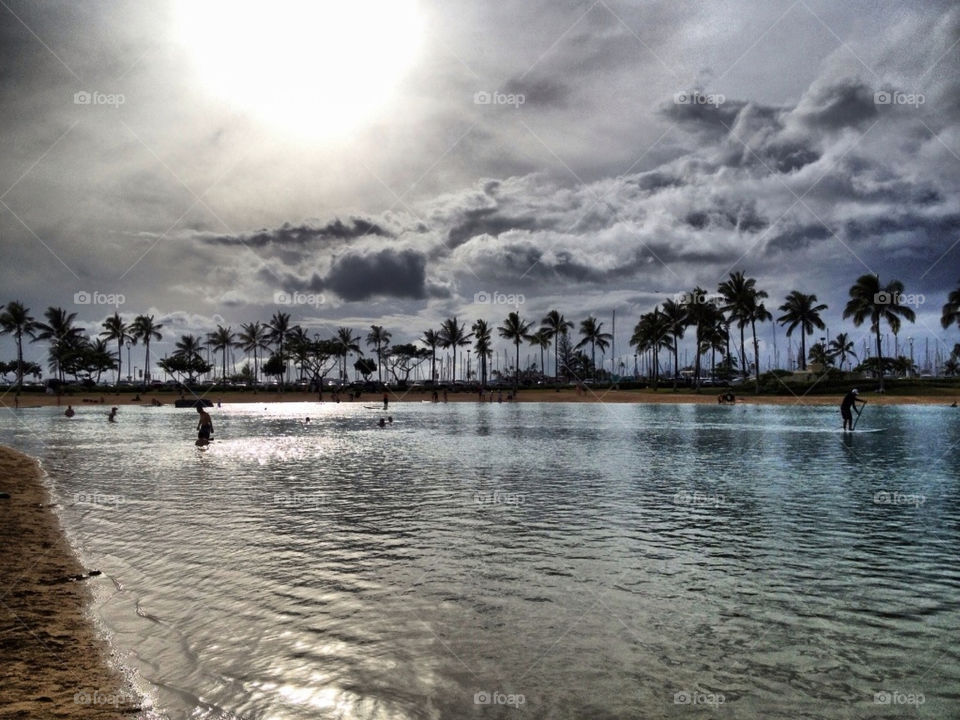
x,y
401,162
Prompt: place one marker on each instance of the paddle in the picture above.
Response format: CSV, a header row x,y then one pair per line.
x,y
859,411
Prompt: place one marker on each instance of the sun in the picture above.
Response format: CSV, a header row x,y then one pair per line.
x,y
318,68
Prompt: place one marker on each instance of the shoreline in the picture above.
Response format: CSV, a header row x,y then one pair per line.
x,y
56,664
80,401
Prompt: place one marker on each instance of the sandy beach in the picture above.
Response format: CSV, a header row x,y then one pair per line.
x,y
54,663
91,400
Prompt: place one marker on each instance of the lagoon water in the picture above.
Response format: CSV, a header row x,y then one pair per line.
x,y
529,560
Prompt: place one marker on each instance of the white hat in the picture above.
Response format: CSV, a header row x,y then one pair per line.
x,y
855,391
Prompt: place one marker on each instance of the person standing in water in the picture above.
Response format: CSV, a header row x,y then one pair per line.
x,y
69,412
112,417
848,406
386,401
204,424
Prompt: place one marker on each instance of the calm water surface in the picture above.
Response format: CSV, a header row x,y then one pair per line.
x,y
534,560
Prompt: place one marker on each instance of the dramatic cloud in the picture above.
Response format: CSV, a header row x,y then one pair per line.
x,y
804,144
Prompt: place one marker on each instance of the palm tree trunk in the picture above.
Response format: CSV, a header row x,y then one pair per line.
x,y
696,362
19,358
516,374
676,360
756,356
743,354
879,357
556,359
803,350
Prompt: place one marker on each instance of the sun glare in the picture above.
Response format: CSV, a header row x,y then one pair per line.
x,y
318,68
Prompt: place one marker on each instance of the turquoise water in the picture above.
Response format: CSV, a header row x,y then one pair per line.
x,y
530,560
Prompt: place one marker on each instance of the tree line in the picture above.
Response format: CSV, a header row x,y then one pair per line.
x,y
715,319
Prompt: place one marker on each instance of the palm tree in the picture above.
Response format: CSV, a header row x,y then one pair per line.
x,y
253,337
715,336
800,310
348,342
702,316
221,340
61,333
277,330
515,330
299,341
820,355
114,328
868,300
951,310
96,358
482,346
555,324
453,335
652,334
16,320
841,347
432,339
144,328
675,318
379,339
757,313
591,330
540,339
188,347
737,294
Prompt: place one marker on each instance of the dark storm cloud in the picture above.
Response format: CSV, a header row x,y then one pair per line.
x,y
655,180
931,230
388,273
727,216
697,112
798,237
302,234
488,221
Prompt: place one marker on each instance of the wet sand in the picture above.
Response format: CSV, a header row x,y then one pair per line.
x,y
53,664
935,396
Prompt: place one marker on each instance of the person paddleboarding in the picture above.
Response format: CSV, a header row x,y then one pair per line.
x,y
848,405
